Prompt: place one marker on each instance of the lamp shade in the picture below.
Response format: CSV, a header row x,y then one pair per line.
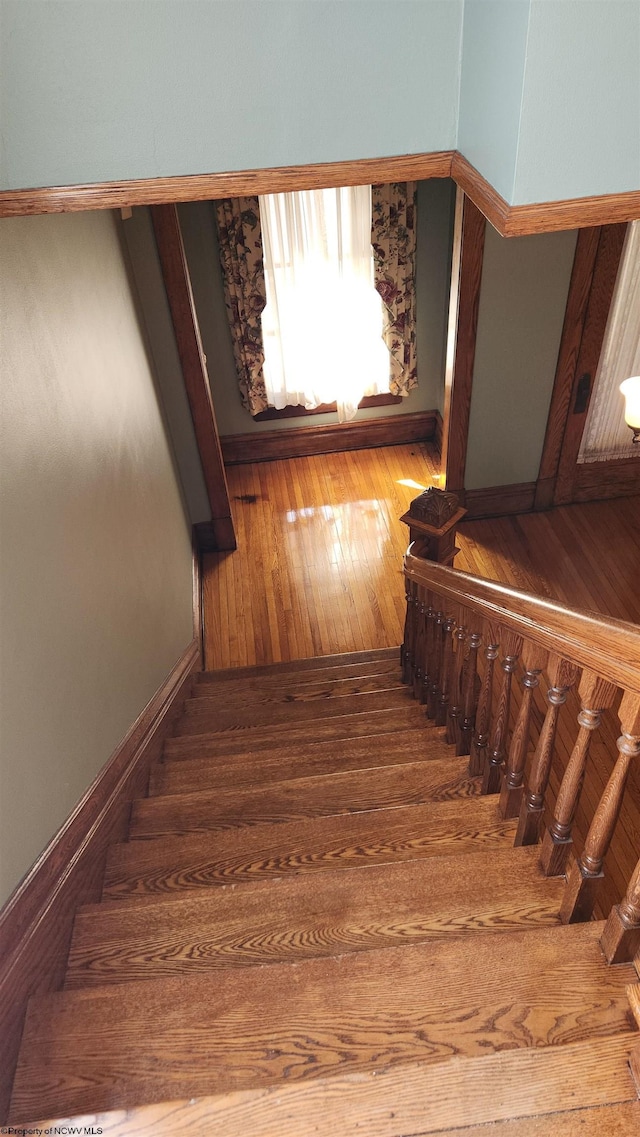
x,y
631,391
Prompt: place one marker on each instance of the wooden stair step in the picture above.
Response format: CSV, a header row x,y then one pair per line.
x,y
291,688
207,1115
353,791
202,715
300,917
253,768
621,1120
357,725
327,663
196,860
351,1015
439,1100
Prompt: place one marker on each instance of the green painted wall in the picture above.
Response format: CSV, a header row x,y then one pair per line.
x,y
525,281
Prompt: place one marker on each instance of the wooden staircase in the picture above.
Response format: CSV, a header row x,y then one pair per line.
x,y
320,925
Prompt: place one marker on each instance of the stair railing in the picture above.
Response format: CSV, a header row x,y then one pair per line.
x,y
453,620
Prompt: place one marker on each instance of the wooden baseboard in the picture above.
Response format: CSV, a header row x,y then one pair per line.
x,y
597,481
300,442
216,536
37,920
497,501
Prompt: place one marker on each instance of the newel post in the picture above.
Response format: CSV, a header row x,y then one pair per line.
x,y
584,875
433,518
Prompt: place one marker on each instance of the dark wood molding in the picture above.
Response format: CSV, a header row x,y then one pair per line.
x,y
232,183
598,481
325,408
509,220
196,584
438,433
194,369
36,922
466,277
498,501
301,441
575,314
605,272
216,536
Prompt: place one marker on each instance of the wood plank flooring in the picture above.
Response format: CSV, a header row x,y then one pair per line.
x,y
320,546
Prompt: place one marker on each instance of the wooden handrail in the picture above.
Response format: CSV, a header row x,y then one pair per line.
x,y
607,646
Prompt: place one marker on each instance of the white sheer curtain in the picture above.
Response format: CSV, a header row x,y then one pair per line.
x,y
322,324
606,434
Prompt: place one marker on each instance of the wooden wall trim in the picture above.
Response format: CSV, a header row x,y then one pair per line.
x,y
299,442
574,317
177,283
509,220
498,501
238,183
597,481
605,272
36,922
466,277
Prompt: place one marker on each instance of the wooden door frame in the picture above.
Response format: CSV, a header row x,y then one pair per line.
x,y
593,278
219,533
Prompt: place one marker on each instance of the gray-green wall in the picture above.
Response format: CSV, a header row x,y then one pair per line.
x,y
435,217
523,295
95,551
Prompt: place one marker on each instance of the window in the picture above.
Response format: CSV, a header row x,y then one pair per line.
x,y
323,320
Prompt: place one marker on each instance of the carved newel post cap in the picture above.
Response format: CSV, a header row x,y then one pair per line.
x,y
434,507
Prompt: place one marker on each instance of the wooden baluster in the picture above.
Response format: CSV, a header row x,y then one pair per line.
x,y
584,875
421,673
445,670
534,659
429,649
492,773
596,695
480,739
470,673
435,665
405,649
620,940
455,691
562,675
420,646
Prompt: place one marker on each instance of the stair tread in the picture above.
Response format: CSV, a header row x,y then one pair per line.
x,y
351,791
351,1015
182,773
297,917
309,663
356,725
202,715
288,688
222,1115
311,845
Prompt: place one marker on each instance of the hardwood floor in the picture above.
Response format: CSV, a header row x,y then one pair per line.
x,y
318,565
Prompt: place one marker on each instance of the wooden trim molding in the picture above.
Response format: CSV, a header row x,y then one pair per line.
x,y
509,220
299,442
177,283
499,501
605,272
232,183
598,481
574,318
466,277
37,920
